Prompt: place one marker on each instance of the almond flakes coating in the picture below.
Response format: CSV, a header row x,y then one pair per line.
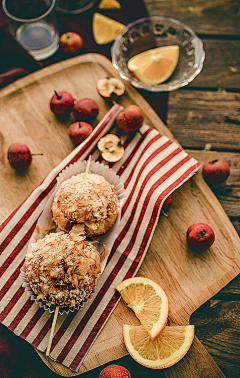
x,y
62,269
87,199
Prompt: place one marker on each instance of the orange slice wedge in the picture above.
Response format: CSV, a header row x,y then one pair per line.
x,y
109,4
148,301
167,350
105,29
156,65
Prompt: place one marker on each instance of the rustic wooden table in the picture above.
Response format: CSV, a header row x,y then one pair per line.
x,y
208,111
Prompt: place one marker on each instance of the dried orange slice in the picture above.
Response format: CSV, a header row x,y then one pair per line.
x,y
109,4
167,350
156,65
148,301
105,29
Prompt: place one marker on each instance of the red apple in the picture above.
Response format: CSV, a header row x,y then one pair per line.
x,y
79,131
62,103
85,110
130,119
216,171
200,236
167,204
19,156
70,42
115,371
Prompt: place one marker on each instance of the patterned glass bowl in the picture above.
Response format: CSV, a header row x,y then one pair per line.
x,y
149,33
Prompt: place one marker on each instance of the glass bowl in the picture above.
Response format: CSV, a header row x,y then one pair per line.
x,y
151,32
74,6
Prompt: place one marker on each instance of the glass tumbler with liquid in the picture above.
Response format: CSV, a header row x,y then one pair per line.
x,y
33,24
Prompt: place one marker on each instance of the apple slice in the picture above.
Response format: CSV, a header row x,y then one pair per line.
x,y
110,88
110,148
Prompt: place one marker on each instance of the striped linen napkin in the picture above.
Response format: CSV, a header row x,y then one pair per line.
x,y
153,166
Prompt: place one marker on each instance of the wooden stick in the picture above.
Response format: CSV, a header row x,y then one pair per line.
x,y
88,164
52,330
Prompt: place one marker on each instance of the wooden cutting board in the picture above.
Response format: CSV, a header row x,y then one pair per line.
x,y
189,279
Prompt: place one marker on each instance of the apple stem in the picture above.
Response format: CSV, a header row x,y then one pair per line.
x,y
140,133
58,97
202,232
37,154
165,214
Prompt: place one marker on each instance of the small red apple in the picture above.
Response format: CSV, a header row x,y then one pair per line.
x,y
85,110
130,119
200,236
79,131
115,371
62,103
70,42
20,156
167,204
216,171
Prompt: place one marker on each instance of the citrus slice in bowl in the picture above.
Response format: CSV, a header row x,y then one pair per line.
x,y
148,301
156,65
105,29
167,350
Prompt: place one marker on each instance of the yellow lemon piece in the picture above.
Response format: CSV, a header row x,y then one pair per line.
x,y
167,350
105,29
109,4
148,301
156,65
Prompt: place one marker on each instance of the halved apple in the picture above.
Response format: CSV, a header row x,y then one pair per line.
x,y
110,148
110,88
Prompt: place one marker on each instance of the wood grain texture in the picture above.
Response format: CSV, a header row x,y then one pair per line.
x,y
188,284
215,17
221,68
199,117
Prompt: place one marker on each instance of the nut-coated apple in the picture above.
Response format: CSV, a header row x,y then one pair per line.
x,y
200,236
62,103
79,131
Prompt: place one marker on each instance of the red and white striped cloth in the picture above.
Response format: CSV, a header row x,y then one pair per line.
x,y
153,166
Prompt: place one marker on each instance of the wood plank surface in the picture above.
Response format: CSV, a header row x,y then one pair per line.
x,y
199,117
221,68
188,284
214,17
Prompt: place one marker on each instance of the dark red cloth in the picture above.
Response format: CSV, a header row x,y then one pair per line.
x,y
17,357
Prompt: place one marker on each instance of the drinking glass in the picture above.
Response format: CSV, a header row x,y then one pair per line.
x,y
33,24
